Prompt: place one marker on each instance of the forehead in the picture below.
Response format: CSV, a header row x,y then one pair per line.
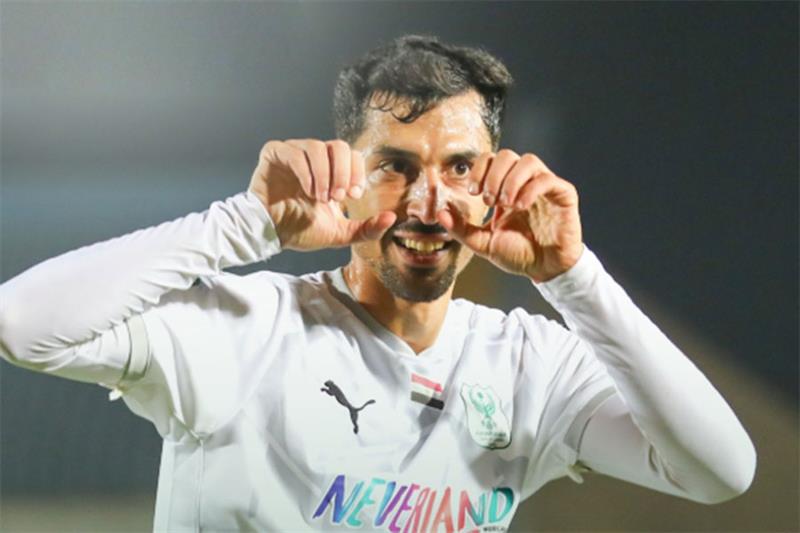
x,y
454,123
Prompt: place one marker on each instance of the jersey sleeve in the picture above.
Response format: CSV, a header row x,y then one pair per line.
x,y
81,315
562,375
680,435
204,351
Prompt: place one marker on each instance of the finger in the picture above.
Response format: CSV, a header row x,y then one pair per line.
x,y
357,174
340,160
478,172
317,155
525,167
370,229
548,185
476,238
502,163
292,158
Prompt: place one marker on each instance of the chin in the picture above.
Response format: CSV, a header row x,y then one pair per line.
x,y
417,284
409,280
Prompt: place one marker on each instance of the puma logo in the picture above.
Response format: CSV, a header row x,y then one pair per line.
x,y
331,389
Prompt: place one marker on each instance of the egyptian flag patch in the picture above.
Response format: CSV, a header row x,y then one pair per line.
x,y
426,391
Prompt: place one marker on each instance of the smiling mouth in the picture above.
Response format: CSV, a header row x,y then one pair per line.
x,y
421,247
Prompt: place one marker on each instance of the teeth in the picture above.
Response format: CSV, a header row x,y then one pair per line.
x,y
420,246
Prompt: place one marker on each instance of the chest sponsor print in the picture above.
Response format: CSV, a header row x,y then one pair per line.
x,y
388,505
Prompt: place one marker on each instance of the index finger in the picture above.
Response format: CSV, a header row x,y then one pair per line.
x,y
478,173
477,238
358,174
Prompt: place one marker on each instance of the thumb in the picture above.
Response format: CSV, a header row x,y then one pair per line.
x,y
369,229
477,238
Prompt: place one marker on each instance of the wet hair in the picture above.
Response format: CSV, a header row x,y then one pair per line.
x,y
419,71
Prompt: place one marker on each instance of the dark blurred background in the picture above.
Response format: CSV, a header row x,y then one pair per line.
x,y
678,123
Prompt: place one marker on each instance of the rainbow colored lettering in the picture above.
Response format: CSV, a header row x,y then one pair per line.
x,y
412,508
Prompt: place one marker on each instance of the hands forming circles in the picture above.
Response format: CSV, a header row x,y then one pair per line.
x,y
297,180
332,170
511,181
326,171
535,230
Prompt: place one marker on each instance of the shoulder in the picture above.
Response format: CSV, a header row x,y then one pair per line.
x,y
242,297
480,316
244,311
251,286
537,331
491,319
487,327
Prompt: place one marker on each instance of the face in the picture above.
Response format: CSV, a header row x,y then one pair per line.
x,y
416,170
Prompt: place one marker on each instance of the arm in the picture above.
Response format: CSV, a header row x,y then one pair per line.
x,y
70,316
67,316
667,428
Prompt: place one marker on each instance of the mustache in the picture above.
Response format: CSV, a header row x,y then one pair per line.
x,y
417,226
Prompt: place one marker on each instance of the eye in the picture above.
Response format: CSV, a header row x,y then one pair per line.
x,y
462,169
398,166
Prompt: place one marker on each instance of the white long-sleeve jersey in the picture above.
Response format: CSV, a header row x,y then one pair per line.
x,y
284,406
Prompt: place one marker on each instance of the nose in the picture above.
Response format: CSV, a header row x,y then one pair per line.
x,y
427,195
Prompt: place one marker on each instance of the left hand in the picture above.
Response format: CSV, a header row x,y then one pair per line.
x,y
535,230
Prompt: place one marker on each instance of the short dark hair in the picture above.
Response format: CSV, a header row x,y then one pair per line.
x,y
421,71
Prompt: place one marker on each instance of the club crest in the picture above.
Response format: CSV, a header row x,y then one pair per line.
x,y
486,420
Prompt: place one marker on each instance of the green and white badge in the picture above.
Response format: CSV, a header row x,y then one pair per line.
x,y
486,420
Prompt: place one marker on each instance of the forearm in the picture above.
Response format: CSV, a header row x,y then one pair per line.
x,y
695,432
81,295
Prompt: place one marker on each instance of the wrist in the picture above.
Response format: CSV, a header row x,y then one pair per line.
x,y
269,229
566,262
575,282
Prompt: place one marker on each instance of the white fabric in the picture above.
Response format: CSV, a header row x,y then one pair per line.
x,y
668,428
234,373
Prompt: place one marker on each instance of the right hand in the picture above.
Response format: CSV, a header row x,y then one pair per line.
x,y
302,184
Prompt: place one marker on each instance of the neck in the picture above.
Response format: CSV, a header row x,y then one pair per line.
x,y
417,323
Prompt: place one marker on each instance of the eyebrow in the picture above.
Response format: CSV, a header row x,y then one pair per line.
x,y
392,151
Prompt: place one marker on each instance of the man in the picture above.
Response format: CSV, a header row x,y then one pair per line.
x,y
366,397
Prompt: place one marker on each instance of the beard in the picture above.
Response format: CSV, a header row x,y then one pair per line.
x,y
416,284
